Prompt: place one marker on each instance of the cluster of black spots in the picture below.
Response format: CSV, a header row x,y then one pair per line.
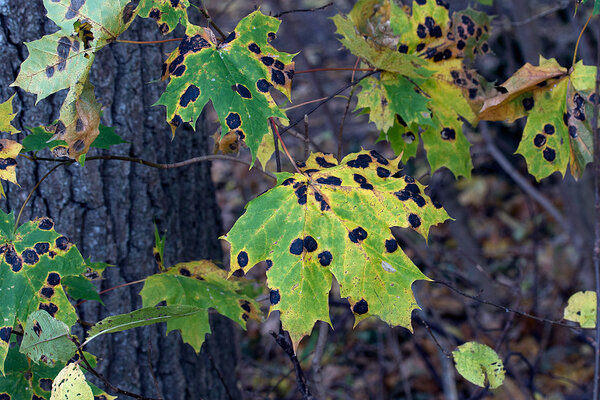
x,y
12,258
379,158
193,44
411,191
297,246
435,31
321,200
383,172
357,234
300,193
47,292
62,243
323,163
403,49
243,91
414,220
362,181
245,305
325,258
361,307
540,140
528,103
242,259
579,109
310,244
46,384
229,38
175,67
190,95
448,134
391,245
7,162
5,333
185,272
362,161
233,120
269,264
30,256
176,121
50,308
73,9
330,180
274,296
287,182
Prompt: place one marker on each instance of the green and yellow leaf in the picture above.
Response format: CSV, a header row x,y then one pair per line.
x,y
47,339
334,221
6,116
479,364
167,13
70,384
581,308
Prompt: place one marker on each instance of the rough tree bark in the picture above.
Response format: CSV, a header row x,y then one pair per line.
x,y
108,208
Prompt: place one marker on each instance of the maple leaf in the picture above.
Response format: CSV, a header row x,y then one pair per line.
x,y
62,60
236,75
333,221
6,116
434,98
558,105
203,285
33,260
167,13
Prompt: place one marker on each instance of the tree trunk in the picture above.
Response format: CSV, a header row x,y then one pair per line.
x,y
108,208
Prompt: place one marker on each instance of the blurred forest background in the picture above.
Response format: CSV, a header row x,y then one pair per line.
x,y
515,243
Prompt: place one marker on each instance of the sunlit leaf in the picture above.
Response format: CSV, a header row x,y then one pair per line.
x,y
479,364
6,116
581,308
167,13
70,384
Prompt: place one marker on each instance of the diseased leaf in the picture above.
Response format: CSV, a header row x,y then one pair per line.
x,y
581,308
33,261
47,339
63,60
236,75
479,364
334,221
167,13
70,384
9,150
558,105
199,284
432,100
6,116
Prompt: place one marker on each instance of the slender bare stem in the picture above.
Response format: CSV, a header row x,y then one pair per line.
x,y
148,41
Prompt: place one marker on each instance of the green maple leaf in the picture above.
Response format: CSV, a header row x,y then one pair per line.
x,y
203,285
235,75
6,116
558,105
62,60
167,13
434,97
34,259
334,221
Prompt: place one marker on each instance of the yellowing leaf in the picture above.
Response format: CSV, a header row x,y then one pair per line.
x,y
199,285
70,384
558,105
6,116
47,339
479,364
236,75
334,220
581,308
167,13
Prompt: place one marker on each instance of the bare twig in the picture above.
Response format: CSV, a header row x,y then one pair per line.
x,y
286,345
305,71
212,23
287,153
306,138
106,382
218,372
152,371
113,288
560,6
276,143
426,325
340,134
148,41
303,10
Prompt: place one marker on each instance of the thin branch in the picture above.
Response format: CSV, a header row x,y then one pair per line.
x,y
341,129
315,108
219,374
305,71
303,10
596,130
306,139
286,345
579,38
184,163
303,104
113,288
212,23
148,41
520,180
444,351
287,153
561,6
34,189
276,143
506,309
152,371
106,381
